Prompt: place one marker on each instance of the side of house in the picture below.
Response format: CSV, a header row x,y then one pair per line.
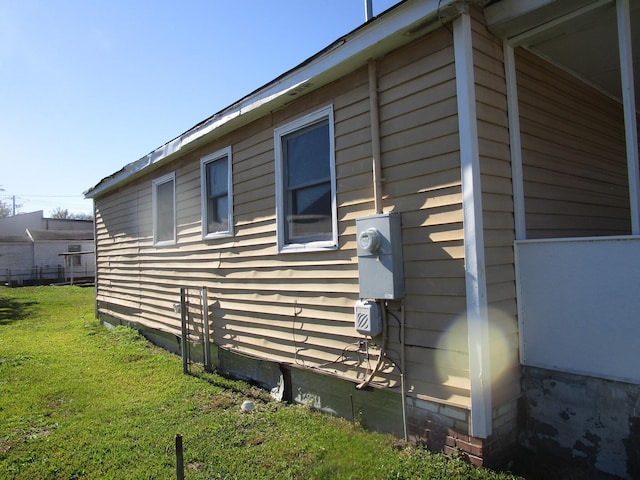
x,y
15,252
481,147
35,249
297,308
65,250
291,306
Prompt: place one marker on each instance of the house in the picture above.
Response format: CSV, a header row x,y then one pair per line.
x,y
431,225
39,250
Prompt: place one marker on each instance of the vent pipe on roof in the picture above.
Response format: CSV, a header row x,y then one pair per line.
x,y
368,10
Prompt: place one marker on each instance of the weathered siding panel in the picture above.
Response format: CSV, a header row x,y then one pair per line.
x,y
574,163
297,308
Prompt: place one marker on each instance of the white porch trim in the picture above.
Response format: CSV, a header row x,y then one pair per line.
x,y
513,113
499,13
629,104
475,273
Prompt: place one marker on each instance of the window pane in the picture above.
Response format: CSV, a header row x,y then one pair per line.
x,y
217,191
307,155
306,208
165,214
217,176
310,213
218,214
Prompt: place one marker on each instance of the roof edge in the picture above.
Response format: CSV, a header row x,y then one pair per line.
x,y
394,27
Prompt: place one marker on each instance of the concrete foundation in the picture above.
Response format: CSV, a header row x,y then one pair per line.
x,y
440,427
587,419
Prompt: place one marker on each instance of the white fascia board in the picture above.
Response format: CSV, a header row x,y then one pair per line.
x,y
385,33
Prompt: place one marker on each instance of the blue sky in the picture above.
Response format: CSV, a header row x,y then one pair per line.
x,y
89,86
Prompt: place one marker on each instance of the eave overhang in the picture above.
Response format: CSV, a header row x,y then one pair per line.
x,y
579,36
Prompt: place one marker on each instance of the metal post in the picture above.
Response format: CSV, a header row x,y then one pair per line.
x,y
205,325
368,10
183,319
71,268
179,458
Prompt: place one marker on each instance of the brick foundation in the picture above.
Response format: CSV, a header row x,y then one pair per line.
x,y
445,429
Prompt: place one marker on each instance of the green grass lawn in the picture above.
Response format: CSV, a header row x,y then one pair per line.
x,y
78,400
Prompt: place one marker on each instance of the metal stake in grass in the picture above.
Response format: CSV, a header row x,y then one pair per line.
x,y
179,458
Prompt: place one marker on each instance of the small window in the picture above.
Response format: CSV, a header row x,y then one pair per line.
x,y
164,210
75,259
305,183
217,196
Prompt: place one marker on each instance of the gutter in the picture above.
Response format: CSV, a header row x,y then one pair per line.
x,y
395,27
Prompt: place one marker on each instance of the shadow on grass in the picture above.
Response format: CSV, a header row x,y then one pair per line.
x,y
228,383
12,310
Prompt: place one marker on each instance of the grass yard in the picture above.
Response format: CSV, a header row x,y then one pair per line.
x,y
78,400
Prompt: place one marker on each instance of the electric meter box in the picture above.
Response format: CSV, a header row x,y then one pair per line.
x,y
379,244
368,318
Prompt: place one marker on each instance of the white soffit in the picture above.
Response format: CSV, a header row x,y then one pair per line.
x,y
508,18
578,35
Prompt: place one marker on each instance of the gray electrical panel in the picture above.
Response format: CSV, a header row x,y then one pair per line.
x,y
380,270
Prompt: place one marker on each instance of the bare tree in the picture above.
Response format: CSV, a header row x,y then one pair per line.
x,y
64,213
6,209
59,212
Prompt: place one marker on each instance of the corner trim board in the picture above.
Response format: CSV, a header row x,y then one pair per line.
x,y
475,271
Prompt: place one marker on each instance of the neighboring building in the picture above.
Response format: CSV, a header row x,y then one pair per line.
x,y
499,135
38,250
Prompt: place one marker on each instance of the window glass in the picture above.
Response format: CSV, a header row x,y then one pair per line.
x,y
308,199
217,200
306,183
216,194
75,259
164,209
307,154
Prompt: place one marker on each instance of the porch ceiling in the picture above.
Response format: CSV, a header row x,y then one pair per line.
x,y
579,35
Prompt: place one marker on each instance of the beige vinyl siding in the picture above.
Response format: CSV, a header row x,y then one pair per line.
x,y
297,308
574,163
421,168
497,204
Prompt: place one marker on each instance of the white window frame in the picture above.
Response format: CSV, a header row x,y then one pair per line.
x,y
325,113
204,161
170,177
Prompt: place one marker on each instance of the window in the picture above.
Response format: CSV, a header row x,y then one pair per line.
x,y
217,196
164,210
305,183
75,259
